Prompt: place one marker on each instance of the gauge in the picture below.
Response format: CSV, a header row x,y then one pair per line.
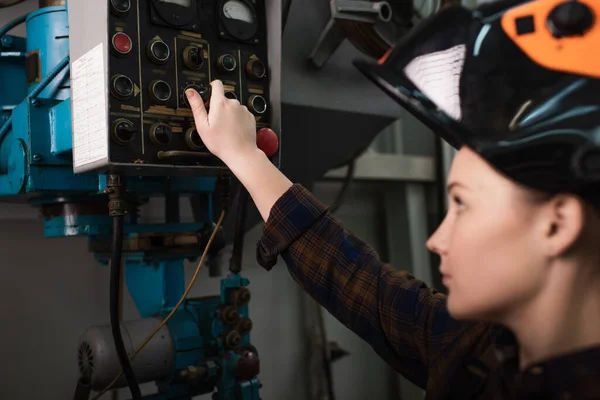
x,y
238,17
182,3
238,10
175,13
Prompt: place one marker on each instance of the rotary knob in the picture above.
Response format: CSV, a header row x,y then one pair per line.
x,y
123,131
203,90
571,18
193,57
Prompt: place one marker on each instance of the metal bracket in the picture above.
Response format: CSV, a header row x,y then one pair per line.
x,y
349,10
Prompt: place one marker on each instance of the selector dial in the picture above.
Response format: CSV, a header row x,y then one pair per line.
x,y
256,69
121,87
158,51
257,104
123,131
193,57
227,63
203,91
161,134
192,139
160,91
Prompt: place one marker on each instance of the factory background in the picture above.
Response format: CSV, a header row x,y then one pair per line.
x,y
53,289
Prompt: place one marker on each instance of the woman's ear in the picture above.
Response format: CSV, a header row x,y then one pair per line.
x,y
564,222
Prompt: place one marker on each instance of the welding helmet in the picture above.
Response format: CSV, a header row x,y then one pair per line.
x,y
516,81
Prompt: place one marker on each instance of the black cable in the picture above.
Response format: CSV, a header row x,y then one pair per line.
x,y
117,209
344,190
285,13
115,292
235,262
83,389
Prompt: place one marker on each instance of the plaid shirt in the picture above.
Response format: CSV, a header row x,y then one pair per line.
x,y
406,322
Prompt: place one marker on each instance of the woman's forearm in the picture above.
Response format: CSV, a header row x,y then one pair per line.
x,y
264,182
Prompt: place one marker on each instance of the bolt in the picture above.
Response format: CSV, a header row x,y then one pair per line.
x,y
255,40
195,26
7,41
37,158
35,103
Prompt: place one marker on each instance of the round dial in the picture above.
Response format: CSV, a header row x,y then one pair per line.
x,y
238,10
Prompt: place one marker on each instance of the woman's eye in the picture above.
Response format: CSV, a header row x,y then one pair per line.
x,y
457,200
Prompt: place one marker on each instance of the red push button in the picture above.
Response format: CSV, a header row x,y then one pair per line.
x,y
267,141
122,43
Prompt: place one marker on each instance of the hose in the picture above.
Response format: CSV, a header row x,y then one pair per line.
x,y
9,3
35,92
115,294
12,24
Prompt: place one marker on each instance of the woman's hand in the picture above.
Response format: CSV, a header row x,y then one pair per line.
x,y
228,130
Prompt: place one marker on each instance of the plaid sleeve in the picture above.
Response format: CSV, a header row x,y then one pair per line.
x,y
404,321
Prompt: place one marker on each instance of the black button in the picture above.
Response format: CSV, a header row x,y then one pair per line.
x,y
159,51
195,138
231,95
122,87
571,18
160,134
160,91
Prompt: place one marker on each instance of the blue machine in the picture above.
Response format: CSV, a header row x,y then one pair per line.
x,y
205,346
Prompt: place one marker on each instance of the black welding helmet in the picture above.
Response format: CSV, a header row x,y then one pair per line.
x,y
516,81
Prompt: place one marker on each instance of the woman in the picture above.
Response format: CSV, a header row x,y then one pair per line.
x,y
515,88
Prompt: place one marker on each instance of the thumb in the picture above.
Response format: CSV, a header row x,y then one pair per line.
x,y
198,109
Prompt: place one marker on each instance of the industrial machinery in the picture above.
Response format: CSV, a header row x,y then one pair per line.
x,y
94,123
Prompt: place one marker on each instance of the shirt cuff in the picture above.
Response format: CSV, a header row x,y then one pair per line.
x,y
292,215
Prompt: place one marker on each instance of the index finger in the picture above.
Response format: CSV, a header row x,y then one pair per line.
x,y
217,91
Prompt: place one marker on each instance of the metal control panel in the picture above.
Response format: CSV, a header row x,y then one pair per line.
x,y
131,62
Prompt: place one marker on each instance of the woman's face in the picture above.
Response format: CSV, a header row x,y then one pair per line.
x,y
491,260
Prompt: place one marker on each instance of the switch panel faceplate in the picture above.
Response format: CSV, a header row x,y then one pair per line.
x,y
132,61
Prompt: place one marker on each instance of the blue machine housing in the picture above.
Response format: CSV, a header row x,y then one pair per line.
x,y
36,167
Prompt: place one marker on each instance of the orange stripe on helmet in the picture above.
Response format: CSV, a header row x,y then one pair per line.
x,y
527,26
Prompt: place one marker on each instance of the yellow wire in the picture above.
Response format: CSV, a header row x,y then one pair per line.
x,y
163,323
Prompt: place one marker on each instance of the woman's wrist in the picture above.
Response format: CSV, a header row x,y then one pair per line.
x,y
264,182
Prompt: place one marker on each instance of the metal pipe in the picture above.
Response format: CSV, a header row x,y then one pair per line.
x,y
52,3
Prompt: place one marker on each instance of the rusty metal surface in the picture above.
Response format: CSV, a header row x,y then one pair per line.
x,y
51,3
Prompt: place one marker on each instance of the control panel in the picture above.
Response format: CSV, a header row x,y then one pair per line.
x,y
130,113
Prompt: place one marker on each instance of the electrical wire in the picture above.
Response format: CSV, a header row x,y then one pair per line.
x,y
115,294
64,64
344,190
164,322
